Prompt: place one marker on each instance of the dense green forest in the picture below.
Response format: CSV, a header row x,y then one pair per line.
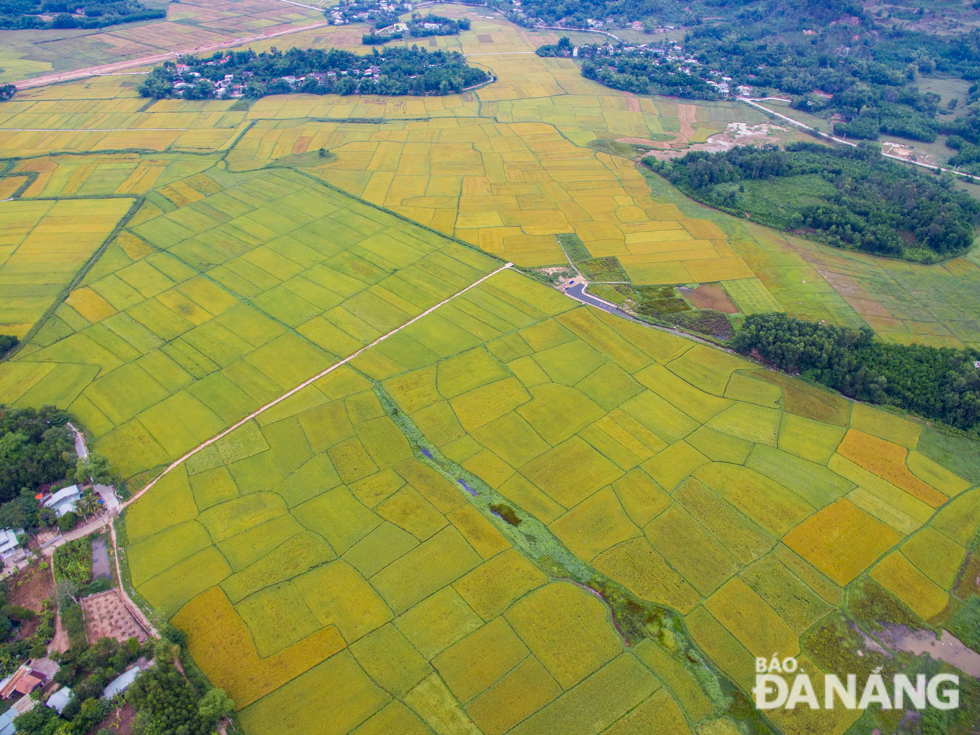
x,y
394,71
36,448
168,703
24,14
937,383
851,198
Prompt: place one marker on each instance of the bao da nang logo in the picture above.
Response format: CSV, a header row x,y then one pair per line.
x,y
781,684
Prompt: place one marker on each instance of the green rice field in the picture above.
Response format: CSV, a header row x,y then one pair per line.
x,y
489,509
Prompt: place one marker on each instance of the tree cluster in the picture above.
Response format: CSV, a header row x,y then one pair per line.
x,y
937,383
877,205
168,705
648,74
445,26
36,448
832,58
637,70
7,341
39,14
438,26
395,71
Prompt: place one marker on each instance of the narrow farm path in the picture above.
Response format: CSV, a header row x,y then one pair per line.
x,y
176,463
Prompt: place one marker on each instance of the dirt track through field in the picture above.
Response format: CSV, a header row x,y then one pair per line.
x,y
107,69
127,600
304,384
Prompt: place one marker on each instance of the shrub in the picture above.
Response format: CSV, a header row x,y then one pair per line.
x,y
67,522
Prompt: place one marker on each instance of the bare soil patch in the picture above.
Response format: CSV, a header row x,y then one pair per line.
x,y
710,296
119,721
106,616
31,587
737,133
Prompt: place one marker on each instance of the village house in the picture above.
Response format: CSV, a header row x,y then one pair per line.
x,y
9,545
22,682
66,499
121,683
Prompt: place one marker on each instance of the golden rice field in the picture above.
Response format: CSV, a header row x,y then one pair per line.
x,y
507,168
318,548
340,547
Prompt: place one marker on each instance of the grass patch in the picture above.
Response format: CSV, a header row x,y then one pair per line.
x,y
574,247
603,269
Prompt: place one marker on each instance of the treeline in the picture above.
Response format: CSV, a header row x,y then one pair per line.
x,y
639,71
867,203
641,74
936,383
395,71
18,15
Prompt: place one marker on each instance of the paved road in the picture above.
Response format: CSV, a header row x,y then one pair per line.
x,y
578,293
80,449
797,123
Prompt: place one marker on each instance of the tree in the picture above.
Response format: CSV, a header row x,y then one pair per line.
x,y
6,92
66,589
88,504
67,522
96,468
214,705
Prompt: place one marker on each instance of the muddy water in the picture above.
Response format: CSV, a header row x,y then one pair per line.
x,y
947,648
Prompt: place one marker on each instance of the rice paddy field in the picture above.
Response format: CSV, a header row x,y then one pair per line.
x,y
515,514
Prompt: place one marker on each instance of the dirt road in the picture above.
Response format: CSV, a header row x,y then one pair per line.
x,y
106,69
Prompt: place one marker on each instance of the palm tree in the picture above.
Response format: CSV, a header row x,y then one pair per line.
x,y
87,504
